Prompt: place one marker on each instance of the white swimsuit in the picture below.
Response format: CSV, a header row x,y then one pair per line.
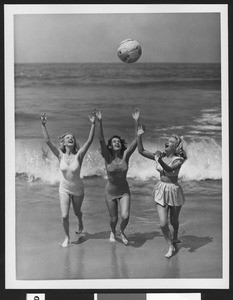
x,y
71,182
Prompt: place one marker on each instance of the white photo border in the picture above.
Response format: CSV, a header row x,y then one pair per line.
x,y
10,209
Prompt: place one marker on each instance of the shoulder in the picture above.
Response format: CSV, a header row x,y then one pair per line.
x,y
108,161
126,155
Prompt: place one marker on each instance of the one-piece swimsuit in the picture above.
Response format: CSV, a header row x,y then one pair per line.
x,y
71,183
117,184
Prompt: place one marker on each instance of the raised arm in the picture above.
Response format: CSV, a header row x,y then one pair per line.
x,y
141,150
176,164
106,154
83,150
129,151
56,151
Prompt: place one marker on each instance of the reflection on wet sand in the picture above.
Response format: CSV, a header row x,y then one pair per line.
x,y
122,260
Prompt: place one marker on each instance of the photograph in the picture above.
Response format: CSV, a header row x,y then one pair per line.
x,y
117,143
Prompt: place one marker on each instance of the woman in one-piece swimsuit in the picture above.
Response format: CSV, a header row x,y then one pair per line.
x,y
70,157
116,157
167,193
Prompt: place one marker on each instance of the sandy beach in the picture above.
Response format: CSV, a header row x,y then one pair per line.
x,y
91,256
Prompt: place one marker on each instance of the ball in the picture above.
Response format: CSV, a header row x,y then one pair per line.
x,y
129,51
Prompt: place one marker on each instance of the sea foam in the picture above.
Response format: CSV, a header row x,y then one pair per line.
x,y
38,163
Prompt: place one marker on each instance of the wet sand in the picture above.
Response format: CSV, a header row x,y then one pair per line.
x,y
91,256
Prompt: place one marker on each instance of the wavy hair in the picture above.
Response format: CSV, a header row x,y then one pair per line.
x,y
109,144
62,146
180,143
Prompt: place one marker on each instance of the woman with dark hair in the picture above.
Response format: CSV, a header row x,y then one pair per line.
x,y
116,157
167,193
70,157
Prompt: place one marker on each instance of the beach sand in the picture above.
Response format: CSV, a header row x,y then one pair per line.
x,y
91,256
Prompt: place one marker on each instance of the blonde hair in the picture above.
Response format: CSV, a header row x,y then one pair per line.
x,y
62,146
179,151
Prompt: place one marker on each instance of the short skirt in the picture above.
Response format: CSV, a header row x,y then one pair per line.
x,y
165,193
72,188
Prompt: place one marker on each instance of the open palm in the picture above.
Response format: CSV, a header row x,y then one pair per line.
x,y
136,114
141,130
43,118
98,114
92,118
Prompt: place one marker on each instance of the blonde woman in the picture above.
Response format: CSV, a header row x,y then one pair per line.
x,y
71,189
167,193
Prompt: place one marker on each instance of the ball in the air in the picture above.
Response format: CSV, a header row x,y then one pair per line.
x,y
129,51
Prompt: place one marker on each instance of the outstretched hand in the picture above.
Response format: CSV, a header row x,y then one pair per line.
x,y
92,117
136,114
43,118
98,114
141,130
158,155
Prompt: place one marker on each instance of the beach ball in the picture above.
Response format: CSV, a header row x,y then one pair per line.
x,y
129,51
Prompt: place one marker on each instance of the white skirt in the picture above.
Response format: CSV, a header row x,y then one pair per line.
x,y
166,193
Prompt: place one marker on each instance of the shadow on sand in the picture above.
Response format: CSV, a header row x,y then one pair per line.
x,y
85,236
193,242
138,239
135,240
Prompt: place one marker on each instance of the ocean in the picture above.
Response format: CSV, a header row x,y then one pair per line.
x,y
173,98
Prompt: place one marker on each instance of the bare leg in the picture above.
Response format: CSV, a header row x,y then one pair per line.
x,y
112,206
163,219
174,217
125,210
65,207
77,204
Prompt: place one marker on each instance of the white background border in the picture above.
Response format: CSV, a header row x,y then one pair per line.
x,y
10,274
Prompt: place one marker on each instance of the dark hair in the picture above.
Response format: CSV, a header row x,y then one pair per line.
x,y
109,144
63,148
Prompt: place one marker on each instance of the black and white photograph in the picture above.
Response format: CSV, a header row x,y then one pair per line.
x,y
116,139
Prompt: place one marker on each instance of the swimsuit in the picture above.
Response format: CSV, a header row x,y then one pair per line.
x,y
117,184
71,182
166,193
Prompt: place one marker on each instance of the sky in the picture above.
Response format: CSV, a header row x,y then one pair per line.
x,y
78,38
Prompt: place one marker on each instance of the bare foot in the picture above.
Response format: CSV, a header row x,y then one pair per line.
x,y
124,239
170,252
80,230
66,242
112,237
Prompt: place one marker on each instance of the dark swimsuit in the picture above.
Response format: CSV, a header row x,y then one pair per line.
x,y
117,184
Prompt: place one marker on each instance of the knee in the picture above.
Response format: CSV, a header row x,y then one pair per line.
x,y
65,218
125,217
174,223
78,213
114,219
163,225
